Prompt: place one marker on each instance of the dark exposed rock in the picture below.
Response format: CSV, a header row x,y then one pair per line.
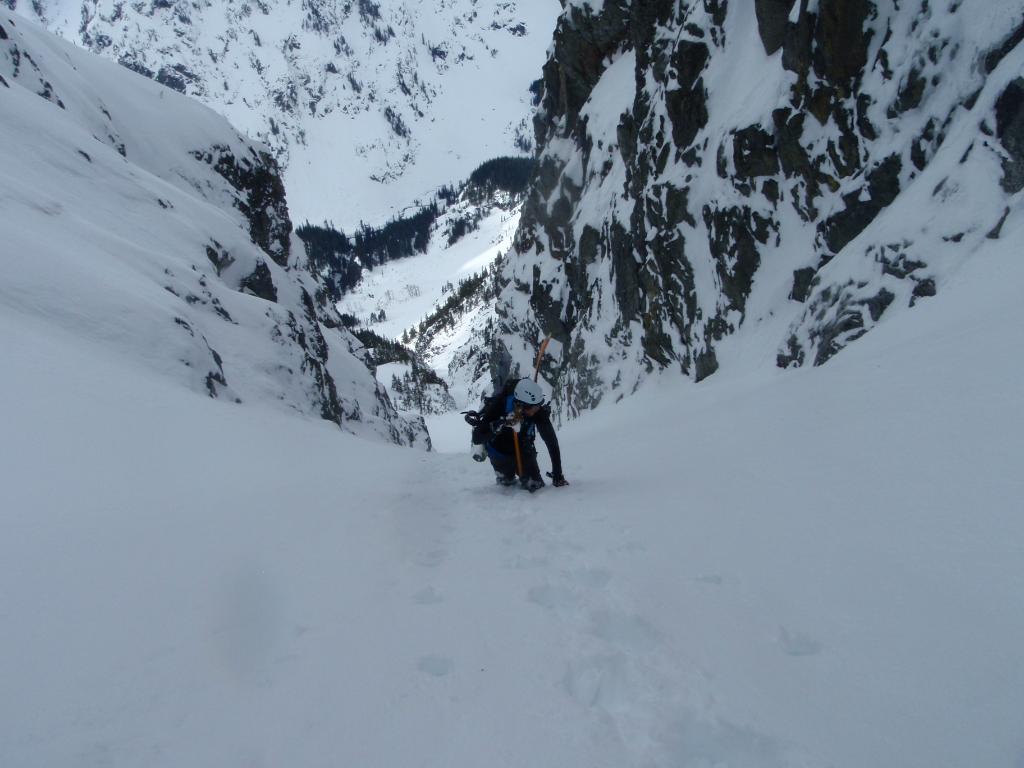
x,y
841,45
910,94
625,272
754,153
820,103
997,230
705,363
1010,130
883,184
687,109
772,18
792,356
921,148
924,288
213,378
789,128
219,257
261,200
582,43
128,61
626,135
867,130
676,207
177,77
687,105
733,246
689,60
900,266
879,303
590,239
802,282
847,326
1014,39
260,283
314,357
845,155
796,50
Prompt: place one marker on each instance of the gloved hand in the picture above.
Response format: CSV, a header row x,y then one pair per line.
x,y
513,422
558,480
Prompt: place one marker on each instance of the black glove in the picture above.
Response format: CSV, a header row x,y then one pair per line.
x,y
558,480
472,418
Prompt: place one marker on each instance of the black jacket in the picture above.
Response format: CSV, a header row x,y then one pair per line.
x,y
494,432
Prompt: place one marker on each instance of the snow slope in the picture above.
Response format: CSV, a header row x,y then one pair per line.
x,y
820,567
121,227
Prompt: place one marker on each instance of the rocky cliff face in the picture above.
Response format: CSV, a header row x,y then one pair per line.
x,y
704,166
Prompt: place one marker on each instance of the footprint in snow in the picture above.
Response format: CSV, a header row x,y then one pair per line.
x,y
598,681
624,630
432,558
428,596
593,578
435,666
798,644
522,563
552,596
710,578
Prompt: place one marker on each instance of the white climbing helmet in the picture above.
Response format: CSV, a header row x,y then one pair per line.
x,y
528,392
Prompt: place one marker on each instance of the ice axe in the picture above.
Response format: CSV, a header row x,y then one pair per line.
x,y
540,356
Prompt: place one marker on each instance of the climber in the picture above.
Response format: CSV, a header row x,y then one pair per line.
x,y
505,430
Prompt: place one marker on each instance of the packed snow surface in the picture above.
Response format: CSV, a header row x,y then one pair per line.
x,y
810,568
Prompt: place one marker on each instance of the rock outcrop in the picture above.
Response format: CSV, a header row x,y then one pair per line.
x,y
693,154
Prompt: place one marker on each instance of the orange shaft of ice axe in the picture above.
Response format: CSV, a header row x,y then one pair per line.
x,y
540,356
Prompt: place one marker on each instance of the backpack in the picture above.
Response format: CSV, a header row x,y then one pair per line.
x,y
491,402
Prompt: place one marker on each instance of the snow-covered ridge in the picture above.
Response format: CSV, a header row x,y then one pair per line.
x,y
367,104
143,225
720,187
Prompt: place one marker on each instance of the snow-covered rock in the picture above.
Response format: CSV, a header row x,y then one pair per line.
x,y
792,176
366,104
141,223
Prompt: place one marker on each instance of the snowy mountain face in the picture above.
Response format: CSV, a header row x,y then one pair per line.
x,y
140,224
437,302
722,182
367,105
